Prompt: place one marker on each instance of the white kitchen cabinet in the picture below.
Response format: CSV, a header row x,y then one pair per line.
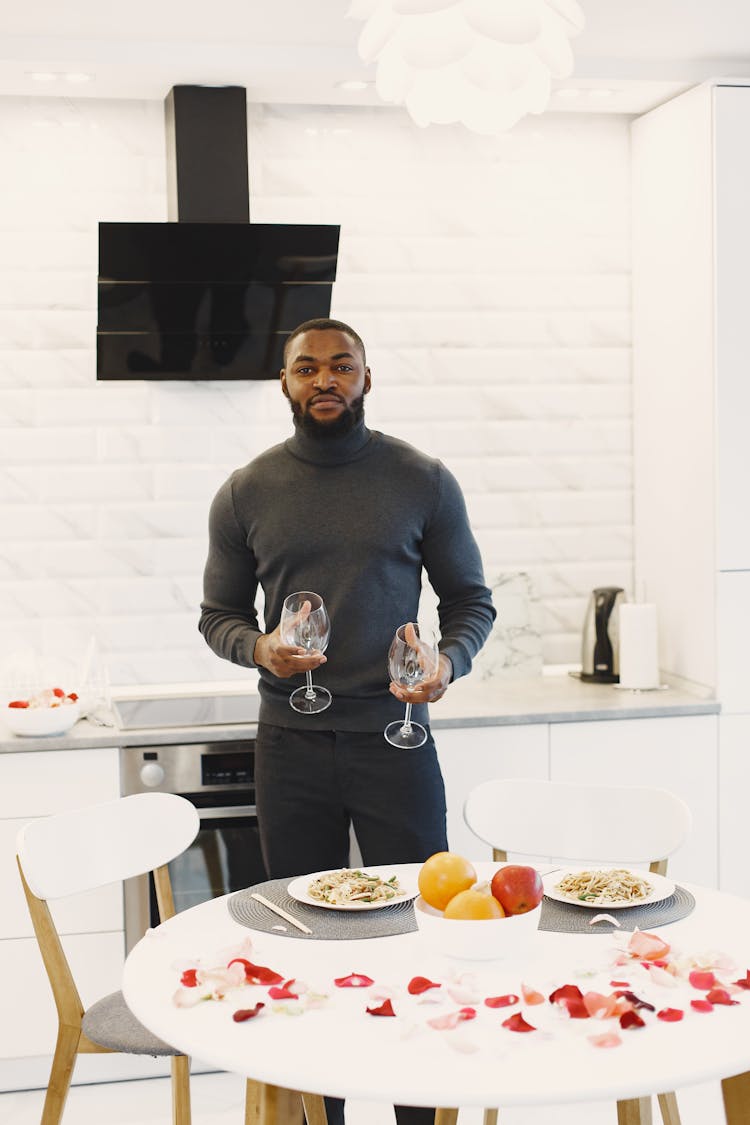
x,y
691,340
676,753
35,784
734,785
469,755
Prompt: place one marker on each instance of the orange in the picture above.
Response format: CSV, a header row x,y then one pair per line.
x,y
442,876
476,903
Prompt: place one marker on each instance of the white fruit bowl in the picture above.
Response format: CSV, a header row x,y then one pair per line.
x,y
33,722
488,939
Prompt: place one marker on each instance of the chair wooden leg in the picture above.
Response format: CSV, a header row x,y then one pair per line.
x,y
490,1117
180,1090
670,1114
634,1111
315,1109
736,1094
279,1106
66,1050
446,1116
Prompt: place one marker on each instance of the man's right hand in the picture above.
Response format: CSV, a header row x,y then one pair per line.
x,y
284,660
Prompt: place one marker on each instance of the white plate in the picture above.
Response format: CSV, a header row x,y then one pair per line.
x,y
662,888
298,890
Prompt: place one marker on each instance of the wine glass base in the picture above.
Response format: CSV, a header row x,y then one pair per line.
x,y
405,737
300,701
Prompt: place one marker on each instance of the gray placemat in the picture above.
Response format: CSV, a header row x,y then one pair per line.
x,y
567,918
397,918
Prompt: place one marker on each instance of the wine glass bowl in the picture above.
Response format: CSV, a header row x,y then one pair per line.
x,y
305,624
412,657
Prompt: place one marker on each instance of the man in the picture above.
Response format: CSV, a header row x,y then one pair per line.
x,y
355,516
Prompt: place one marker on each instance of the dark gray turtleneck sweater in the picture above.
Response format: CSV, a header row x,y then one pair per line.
x,y
355,519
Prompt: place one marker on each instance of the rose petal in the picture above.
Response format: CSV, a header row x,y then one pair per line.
x,y
247,1013
702,1005
283,993
418,985
635,1000
189,978
670,1015
462,995
599,1006
662,977
257,974
189,997
354,980
744,983
702,980
570,999
451,1019
631,1020
516,1022
501,1001
531,996
647,947
608,1039
620,983
384,1009
720,996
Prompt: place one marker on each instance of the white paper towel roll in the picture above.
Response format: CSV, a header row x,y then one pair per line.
x,y
639,647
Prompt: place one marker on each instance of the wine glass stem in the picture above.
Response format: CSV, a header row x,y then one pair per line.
x,y
406,728
309,694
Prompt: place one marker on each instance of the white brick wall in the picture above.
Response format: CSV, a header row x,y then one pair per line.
x,y
489,278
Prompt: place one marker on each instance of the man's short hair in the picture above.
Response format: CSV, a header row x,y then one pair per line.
x,y
322,324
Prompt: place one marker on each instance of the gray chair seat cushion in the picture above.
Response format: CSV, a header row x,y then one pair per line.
x,y
110,1023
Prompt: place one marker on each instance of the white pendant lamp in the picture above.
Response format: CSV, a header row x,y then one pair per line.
x,y
485,63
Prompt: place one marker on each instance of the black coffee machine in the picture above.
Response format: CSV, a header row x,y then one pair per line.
x,y
600,653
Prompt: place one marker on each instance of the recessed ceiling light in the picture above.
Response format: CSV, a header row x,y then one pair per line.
x,y
78,76
42,76
353,84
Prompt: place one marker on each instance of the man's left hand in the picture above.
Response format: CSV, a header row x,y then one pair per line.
x,y
428,690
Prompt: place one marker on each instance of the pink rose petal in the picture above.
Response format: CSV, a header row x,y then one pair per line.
x,y
720,996
702,1005
670,1015
608,1039
702,980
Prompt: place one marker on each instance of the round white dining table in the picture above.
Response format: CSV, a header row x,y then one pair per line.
x,y
326,1042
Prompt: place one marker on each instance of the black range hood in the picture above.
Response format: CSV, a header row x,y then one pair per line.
x,y
207,295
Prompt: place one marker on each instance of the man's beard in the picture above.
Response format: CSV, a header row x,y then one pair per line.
x,y
342,424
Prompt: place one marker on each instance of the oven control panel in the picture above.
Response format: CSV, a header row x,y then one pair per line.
x,y
193,768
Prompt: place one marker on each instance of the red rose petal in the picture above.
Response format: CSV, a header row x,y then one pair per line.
x,y
631,1020
702,980
635,1000
247,1013
570,999
384,1009
418,985
501,1001
72,695
744,983
620,983
702,1005
516,1022
257,974
58,693
283,993
467,1013
22,703
354,980
720,996
189,978
670,1015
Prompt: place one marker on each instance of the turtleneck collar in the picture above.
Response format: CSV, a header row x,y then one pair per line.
x,y
329,451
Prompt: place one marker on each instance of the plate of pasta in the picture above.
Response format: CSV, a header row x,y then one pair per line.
x,y
606,887
352,889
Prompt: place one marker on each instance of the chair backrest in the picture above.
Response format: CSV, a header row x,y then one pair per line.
x,y
87,848
563,820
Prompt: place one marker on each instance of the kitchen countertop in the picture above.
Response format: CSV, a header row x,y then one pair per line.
x,y
501,701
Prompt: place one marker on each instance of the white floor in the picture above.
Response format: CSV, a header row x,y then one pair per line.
x,y
217,1099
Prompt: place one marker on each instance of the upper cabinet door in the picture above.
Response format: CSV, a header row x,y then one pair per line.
x,y
732,338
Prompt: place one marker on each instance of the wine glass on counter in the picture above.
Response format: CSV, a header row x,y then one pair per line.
x,y
305,623
412,657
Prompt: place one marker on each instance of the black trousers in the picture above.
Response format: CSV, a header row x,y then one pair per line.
x,y
310,786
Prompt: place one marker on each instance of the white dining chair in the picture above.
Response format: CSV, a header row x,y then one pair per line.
x,y
77,851
574,823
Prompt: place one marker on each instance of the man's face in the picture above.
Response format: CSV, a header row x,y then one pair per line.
x,y
325,380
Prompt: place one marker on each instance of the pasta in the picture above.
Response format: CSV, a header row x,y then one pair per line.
x,y
340,888
605,887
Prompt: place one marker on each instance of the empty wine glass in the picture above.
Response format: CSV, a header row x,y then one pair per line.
x,y
305,623
412,657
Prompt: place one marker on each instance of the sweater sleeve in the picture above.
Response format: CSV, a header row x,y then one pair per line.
x,y
454,567
229,620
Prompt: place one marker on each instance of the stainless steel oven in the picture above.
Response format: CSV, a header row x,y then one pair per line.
x,y
218,778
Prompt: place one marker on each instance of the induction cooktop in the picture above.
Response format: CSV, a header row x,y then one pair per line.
x,y
185,711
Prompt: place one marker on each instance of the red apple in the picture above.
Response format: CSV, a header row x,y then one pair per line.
x,y
517,888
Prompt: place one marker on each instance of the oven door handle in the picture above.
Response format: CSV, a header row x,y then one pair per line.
x,y
226,812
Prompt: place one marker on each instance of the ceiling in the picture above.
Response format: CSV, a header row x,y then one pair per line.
x,y
632,55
